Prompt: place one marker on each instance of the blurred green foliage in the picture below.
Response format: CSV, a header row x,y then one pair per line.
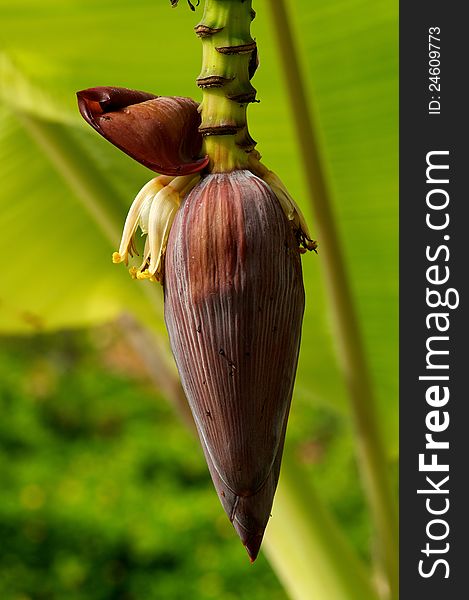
x,y
103,493
105,496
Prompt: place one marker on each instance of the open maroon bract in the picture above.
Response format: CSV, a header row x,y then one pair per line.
x,y
159,132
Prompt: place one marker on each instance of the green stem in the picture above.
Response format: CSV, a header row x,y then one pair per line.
x,y
372,455
228,52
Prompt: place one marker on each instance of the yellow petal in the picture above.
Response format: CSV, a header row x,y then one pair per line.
x,y
148,192
146,257
184,183
162,213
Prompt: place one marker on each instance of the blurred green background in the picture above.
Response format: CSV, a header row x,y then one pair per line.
x,y
103,493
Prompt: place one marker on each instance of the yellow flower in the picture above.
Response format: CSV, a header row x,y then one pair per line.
x,y
153,210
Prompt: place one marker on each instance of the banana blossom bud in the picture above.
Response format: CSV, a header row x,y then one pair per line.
x,y
226,247
234,303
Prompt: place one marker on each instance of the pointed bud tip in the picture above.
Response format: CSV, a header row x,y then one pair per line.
x,y
96,101
251,541
253,545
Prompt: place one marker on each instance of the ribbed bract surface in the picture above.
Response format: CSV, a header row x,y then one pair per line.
x,y
234,303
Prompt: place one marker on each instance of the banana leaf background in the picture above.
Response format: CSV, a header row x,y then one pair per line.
x,y
104,494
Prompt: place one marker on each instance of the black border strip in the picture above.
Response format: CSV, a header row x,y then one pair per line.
x,y
422,247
